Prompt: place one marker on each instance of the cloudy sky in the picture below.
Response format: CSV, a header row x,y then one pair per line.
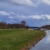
x,y
34,12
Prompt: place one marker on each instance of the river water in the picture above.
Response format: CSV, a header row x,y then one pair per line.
x,y
43,44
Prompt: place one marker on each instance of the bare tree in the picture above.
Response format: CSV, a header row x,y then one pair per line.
x,y
23,23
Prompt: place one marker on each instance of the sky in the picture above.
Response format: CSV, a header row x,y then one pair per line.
x,y
34,12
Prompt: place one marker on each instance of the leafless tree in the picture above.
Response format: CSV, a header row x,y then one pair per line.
x,y
23,23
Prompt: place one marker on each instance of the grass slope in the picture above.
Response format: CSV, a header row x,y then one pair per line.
x,y
16,39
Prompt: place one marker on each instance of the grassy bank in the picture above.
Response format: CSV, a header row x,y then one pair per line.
x,y
19,38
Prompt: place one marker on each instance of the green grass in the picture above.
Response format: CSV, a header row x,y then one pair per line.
x,y
17,38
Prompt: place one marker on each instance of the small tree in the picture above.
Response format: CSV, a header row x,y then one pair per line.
x,y
23,23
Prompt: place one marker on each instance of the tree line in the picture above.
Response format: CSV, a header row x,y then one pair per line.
x,y
46,27
4,25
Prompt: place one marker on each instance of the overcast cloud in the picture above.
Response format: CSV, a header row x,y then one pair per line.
x,y
29,10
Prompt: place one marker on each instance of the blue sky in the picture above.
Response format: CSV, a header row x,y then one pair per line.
x,y
34,12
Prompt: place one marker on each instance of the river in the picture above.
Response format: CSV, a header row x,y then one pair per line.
x,y
43,44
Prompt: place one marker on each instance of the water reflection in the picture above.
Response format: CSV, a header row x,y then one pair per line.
x,y
44,44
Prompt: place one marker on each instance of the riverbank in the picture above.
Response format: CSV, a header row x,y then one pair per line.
x,y
43,44
33,42
19,39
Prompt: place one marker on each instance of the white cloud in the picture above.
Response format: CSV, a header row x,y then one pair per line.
x,y
24,2
46,1
35,17
30,2
11,17
33,3
4,13
45,16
